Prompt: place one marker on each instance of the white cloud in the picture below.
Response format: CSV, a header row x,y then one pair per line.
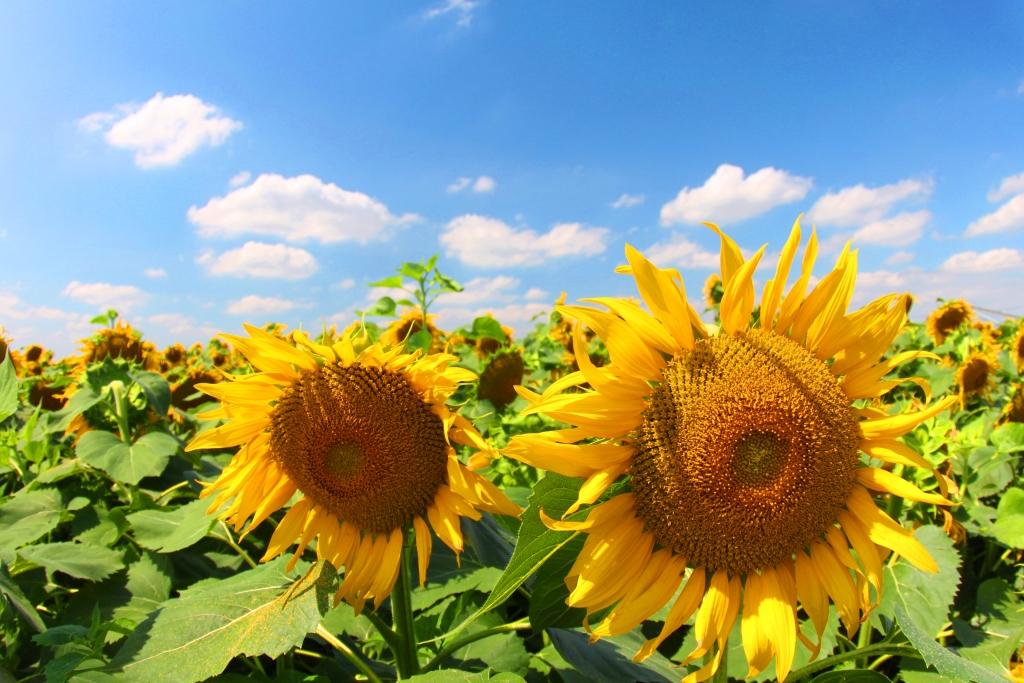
x,y
347,283
983,262
481,185
124,298
1009,216
900,230
484,184
260,305
462,9
536,294
479,289
680,252
164,130
257,259
239,179
1010,186
182,328
729,197
155,273
998,290
296,209
898,258
859,205
512,314
627,200
490,243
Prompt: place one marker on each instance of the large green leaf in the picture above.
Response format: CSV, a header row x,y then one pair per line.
x,y
147,457
480,579
157,390
1009,438
1009,526
26,516
926,597
851,676
945,661
459,676
486,326
996,627
21,604
536,543
8,388
169,530
80,560
149,582
548,591
611,659
258,612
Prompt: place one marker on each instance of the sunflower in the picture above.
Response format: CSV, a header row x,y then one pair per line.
x,y
713,291
367,442
120,341
945,319
1014,409
408,324
499,379
5,344
174,356
975,375
1017,348
741,451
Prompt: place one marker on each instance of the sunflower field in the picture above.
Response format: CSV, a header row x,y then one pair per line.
x,y
772,484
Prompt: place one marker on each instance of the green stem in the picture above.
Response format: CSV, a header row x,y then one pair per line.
x,y
117,389
347,653
462,642
227,538
869,651
390,637
721,674
406,658
863,641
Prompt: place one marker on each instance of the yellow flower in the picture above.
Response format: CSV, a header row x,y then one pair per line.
x,y
408,324
975,375
120,341
1017,348
713,291
500,377
364,438
742,450
945,319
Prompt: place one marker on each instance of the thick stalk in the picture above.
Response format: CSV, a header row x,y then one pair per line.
x,y
117,389
459,643
877,649
347,653
406,658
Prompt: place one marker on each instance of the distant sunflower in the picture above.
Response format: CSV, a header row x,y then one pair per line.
x,y
499,379
174,356
976,375
5,344
408,324
365,438
1014,410
485,346
945,319
120,341
742,456
1017,348
713,291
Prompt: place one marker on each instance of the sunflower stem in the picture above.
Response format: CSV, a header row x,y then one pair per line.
x,y
348,653
878,649
117,390
406,658
459,643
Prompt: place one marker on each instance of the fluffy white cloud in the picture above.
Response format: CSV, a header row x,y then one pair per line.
x,y
257,259
260,305
481,185
1010,186
993,291
490,243
480,289
296,209
898,231
859,205
155,273
730,197
124,298
1009,216
164,130
898,258
239,179
536,294
180,328
461,9
347,283
627,200
680,252
986,261
516,315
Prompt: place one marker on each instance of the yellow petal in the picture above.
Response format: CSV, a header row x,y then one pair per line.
x,y
795,296
738,298
884,531
666,301
898,425
423,547
685,605
232,434
774,288
887,482
778,617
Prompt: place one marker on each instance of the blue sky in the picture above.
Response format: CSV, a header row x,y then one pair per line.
x,y
198,165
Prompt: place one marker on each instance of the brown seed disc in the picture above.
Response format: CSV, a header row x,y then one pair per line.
x,y
746,453
499,378
361,443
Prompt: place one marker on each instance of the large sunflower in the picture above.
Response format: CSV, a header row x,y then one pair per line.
x,y
741,448
367,442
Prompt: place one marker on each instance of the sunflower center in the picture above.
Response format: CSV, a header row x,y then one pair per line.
x,y
746,453
361,443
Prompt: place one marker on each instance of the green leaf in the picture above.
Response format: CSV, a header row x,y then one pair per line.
x,y
80,560
157,390
147,457
536,543
258,612
26,516
926,597
851,676
1009,526
21,604
549,592
611,659
420,340
459,676
393,281
448,284
8,388
384,306
149,582
481,579
486,326
412,270
945,661
62,635
167,531
1008,438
